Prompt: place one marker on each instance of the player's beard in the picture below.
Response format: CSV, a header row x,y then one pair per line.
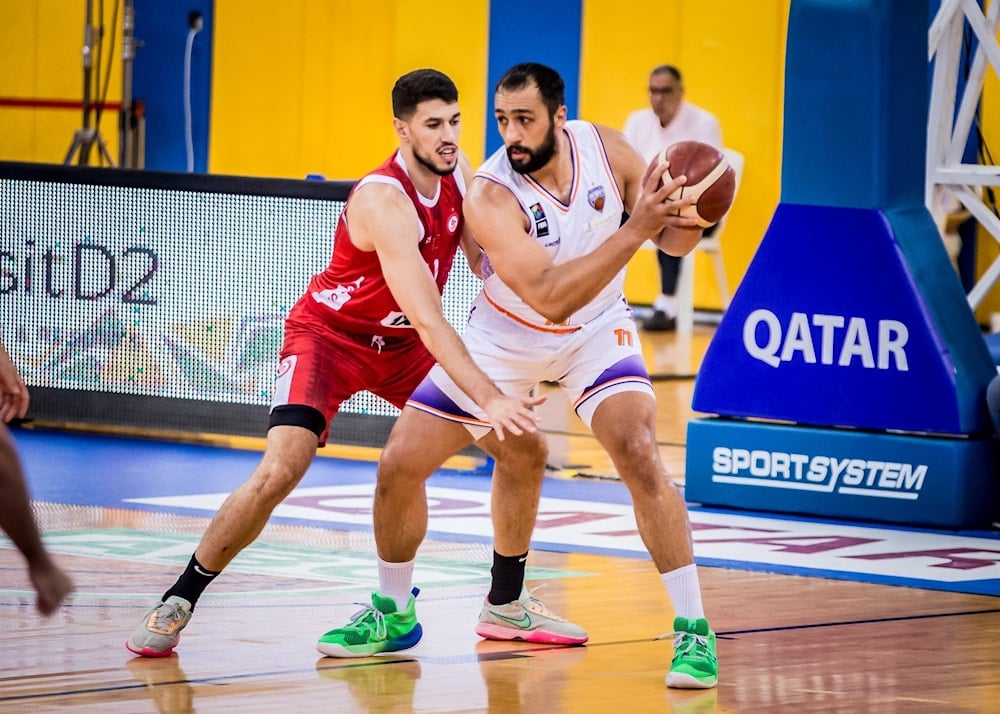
x,y
430,166
537,157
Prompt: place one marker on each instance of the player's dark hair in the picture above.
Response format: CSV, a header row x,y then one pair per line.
x,y
418,86
550,84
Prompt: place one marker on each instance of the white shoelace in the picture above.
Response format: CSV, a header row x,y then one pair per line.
x,y
539,608
381,629
687,640
166,615
679,638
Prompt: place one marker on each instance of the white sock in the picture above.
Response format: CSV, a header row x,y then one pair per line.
x,y
685,591
395,580
667,304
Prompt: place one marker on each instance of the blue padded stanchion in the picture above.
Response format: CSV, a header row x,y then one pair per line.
x,y
849,373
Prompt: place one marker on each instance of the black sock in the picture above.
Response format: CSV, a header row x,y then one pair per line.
x,y
508,578
192,582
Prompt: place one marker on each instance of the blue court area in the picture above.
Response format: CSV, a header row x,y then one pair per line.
x,y
576,515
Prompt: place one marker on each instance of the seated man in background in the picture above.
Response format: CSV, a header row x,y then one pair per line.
x,y
669,119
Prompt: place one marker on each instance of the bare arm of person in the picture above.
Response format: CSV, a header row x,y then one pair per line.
x,y
383,218
557,291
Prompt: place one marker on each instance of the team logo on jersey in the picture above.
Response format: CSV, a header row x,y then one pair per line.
x,y
595,197
601,222
453,223
286,365
337,297
395,319
541,222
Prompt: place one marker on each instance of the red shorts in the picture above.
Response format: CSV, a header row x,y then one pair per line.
x,y
321,368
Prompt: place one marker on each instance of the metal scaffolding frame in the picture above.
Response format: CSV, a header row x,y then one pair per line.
x,y
951,117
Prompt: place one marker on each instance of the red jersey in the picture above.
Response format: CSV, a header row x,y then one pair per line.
x,y
351,295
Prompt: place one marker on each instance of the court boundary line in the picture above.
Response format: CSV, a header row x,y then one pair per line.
x,y
376,661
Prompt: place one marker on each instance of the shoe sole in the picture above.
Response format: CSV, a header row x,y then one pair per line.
x,y
498,632
410,639
678,680
149,651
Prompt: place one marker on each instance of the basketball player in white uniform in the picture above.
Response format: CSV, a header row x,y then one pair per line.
x,y
547,211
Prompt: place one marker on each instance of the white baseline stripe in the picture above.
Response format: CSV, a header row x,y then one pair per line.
x,y
587,525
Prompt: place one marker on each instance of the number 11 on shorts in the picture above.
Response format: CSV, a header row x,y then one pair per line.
x,y
624,337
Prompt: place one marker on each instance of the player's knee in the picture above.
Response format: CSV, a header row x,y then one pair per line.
x,y
529,450
273,481
637,459
400,464
392,460
519,459
649,481
637,446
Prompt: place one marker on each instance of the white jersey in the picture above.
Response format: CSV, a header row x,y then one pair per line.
x,y
565,230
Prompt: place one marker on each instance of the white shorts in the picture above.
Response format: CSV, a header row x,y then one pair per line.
x,y
602,358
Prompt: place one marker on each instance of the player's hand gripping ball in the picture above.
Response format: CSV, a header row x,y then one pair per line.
x,y
709,177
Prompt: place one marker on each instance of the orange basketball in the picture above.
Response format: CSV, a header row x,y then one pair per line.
x,y
709,177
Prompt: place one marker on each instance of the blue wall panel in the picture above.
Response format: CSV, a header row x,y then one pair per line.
x,y
158,80
545,31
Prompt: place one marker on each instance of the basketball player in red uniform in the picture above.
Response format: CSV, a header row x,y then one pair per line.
x,y
371,321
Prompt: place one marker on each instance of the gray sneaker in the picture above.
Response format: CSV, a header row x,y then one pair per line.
x,y
527,619
160,630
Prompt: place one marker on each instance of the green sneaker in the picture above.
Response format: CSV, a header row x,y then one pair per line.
x,y
380,627
695,664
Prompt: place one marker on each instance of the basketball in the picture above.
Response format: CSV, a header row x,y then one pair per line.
x,y
709,177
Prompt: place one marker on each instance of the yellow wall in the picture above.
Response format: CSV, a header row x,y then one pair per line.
x,y
41,57
321,104
987,249
323,108
731,54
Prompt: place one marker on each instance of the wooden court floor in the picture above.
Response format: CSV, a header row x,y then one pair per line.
x,y
786,643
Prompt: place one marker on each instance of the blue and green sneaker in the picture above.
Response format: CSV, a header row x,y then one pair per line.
x,y
380,627
695,664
